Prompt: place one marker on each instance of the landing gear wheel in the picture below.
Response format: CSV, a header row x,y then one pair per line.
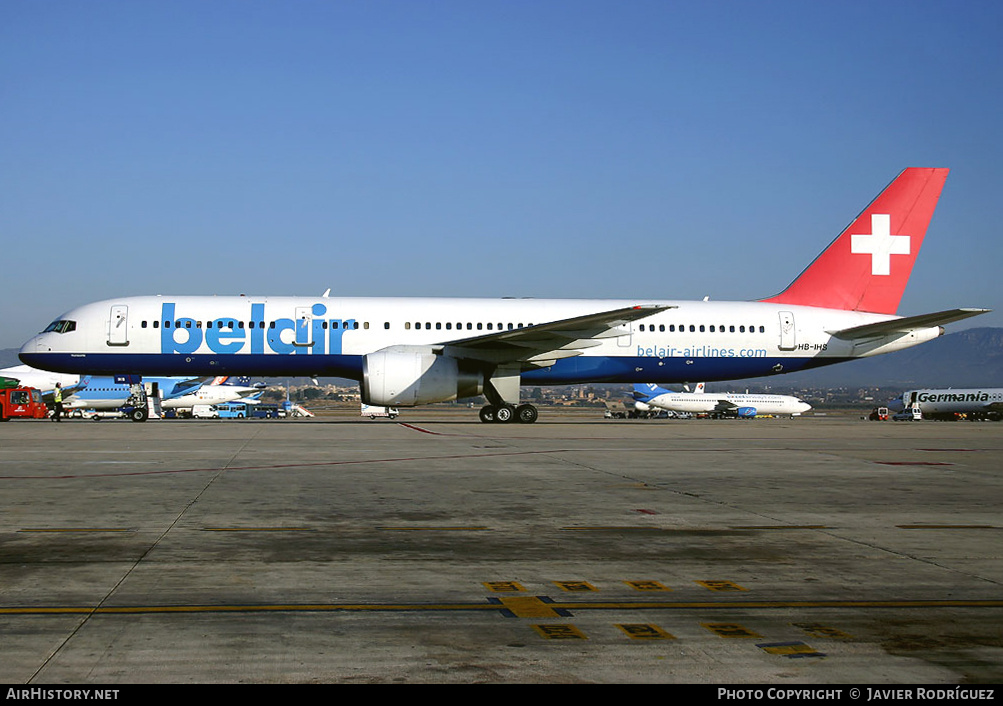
x,y
504,413
138,415
487,414
526,413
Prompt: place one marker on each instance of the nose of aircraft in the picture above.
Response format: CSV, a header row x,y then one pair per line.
x,y
32,345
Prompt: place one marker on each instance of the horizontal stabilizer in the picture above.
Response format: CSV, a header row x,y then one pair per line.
x,y
906,324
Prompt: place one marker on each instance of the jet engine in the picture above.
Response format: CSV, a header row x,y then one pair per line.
x,y
404,376
746,412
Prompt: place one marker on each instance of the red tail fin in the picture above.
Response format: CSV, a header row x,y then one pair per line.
x,y
866,268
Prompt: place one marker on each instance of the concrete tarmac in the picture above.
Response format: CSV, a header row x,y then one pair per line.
x,y
436,549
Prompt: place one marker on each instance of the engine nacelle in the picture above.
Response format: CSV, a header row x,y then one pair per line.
x,y
746,412
405,376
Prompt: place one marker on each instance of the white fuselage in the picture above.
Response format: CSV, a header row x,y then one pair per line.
x,y
696,402
951,401
209,395
199,335
43,380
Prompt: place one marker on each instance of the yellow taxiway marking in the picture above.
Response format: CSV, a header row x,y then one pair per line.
x,y
495,605
730,630
434,529
645,631
257,529
821,630
503,586
721,586
777,527
560,631
647,586
791,650
946,527
578,586
529,607
77,529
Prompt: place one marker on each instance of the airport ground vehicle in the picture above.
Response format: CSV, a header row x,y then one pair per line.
x,y
374,411
204,411
264,411
231,410
908,415
23,402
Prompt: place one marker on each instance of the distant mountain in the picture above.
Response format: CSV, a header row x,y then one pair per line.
x,y
969,358
8,357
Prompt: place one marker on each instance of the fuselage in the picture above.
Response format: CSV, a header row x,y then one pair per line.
x,y
210,395
43,380
104,393
710,402
951,400
282,336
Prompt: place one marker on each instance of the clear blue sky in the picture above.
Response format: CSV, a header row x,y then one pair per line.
x,y
549,148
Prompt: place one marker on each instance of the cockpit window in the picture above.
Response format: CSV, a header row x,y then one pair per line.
x,y
61,326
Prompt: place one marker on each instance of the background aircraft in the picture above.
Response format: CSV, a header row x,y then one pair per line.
x,y
219,391
650,396
42,380
407,352
980,403
104,393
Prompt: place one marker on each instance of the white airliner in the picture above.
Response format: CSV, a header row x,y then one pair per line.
x,y
407,352
210,394
43,380
650,396
104,393
981,403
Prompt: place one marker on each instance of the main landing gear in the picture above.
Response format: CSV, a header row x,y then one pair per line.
x,y
504,413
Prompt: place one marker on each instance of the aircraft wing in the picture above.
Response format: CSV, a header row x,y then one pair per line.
x,y
543,344
906,324
725,406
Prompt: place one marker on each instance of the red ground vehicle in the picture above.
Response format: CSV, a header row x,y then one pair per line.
x,y
21,402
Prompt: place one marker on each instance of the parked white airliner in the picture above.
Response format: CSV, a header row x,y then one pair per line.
x,y
210,393
947,403
649,396
407,352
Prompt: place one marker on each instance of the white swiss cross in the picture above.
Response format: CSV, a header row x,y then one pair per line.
x,y
880,244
